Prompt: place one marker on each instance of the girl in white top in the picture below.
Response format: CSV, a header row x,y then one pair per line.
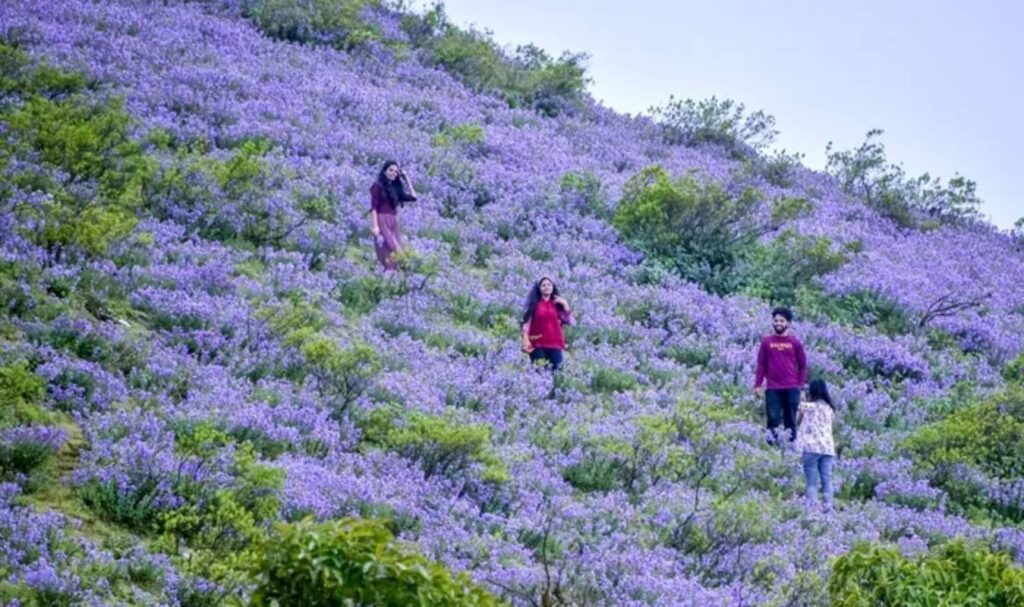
x,y
814,439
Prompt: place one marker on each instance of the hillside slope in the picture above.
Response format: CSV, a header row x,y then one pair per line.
x,y
237,345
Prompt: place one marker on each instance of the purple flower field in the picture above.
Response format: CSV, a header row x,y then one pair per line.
x,y
241,330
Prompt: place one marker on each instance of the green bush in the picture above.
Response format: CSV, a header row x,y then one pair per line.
x,y
867,174
21,396
987,437
442,444
353,562
595,474
716,122
342,374
612,380
227,521
338,23
859,309
66,140
957,573
528,77
1014,371
26,463
468,136
791,261
702,232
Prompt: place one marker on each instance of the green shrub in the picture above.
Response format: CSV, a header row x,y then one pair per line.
x,y
690,356
595,474
702,232
67,140
867,174
353,562
862,486
338,23
527,78
957,573
607,380
364,293
860,309
716,122
790,262
470,136
227,520
730,526
442,444
468,309
1014,371
987,437
21,396
24,462
342,374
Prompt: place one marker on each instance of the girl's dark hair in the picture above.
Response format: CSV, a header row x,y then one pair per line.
x,y
395,190
817,390
534,298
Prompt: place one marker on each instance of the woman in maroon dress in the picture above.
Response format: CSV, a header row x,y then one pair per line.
x,y
546,312
389,193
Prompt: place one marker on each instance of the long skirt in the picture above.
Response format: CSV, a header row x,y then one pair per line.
x,y
389,242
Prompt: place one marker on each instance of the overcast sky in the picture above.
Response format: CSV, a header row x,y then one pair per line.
x,y
945,80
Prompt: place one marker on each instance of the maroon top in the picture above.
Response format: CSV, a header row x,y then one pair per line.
x,y
546,326
379,200
781,360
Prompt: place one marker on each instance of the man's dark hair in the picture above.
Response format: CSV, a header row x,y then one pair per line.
x,y
783,312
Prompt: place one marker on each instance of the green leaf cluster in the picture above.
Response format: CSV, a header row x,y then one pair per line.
x,y
443,444
700,231
957,573
86,174
353,562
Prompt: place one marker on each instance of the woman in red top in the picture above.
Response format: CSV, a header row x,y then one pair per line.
x,y
546,312
389,193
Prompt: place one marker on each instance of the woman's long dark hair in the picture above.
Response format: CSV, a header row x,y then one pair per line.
x,y
817,390
534,298
395,190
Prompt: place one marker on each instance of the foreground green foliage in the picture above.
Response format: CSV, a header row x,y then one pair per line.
x,y
353,562
955,574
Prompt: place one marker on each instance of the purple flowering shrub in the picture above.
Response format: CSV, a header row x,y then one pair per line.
x,y
232,357
47,562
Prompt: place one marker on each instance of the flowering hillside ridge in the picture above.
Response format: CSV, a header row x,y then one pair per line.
x,y
235,349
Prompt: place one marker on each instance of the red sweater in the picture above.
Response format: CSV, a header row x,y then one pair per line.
x,y
781,360
545,327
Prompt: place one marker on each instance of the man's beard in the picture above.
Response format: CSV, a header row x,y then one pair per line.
x,y
779,330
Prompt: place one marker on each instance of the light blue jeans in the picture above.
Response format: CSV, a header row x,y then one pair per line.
x,y
815,465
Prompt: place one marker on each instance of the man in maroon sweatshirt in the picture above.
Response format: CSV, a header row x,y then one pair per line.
x,y
782,364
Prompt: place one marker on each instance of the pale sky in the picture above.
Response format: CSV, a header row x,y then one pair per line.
x,y
945,80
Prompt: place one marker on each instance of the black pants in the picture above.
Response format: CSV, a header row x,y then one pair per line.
x,y
552,355
780,408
